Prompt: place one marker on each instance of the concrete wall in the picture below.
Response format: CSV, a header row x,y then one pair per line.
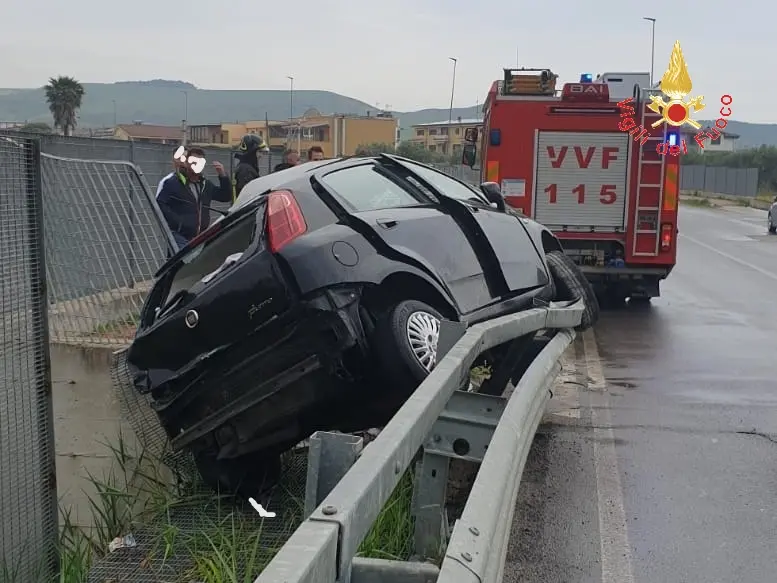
x,y
87,416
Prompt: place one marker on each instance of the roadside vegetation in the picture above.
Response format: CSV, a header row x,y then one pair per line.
x,y
179,532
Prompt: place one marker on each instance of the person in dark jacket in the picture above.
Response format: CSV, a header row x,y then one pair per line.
x,y
248,153
290,159
185,196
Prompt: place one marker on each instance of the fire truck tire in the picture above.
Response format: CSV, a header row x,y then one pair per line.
x,y
571,284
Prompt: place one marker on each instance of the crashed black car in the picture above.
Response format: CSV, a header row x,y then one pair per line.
x,y
315,303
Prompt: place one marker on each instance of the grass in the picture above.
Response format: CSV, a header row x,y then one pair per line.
x,y
136,496
128,321
697,202
226,546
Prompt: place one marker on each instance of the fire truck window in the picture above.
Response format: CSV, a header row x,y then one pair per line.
x,y
447,185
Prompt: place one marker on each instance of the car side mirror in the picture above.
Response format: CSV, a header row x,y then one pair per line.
x,y
494,194
469,154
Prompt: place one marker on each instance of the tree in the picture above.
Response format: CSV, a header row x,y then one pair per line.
x,y
764,158
64,96
36,128
374,149
406,149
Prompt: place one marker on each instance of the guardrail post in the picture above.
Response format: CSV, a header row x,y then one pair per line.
x,y
431,480
330,456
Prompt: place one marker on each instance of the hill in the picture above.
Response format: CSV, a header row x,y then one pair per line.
x,y
167,103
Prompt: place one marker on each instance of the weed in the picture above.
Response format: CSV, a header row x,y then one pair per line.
x,y
225,546
700,202
128,321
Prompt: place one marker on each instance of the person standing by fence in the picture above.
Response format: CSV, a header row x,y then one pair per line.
x,y
290,158
315,153
185,197
248,153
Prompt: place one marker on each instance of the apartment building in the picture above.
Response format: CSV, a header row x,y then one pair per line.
x,y
443,136
336,134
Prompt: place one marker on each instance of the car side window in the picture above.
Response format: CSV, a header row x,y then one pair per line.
x,y
447,185
363,188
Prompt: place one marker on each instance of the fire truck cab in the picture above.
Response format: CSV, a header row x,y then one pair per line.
x,y
606,192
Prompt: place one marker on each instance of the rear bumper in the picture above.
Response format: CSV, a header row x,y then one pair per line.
x,y
626,272
249,393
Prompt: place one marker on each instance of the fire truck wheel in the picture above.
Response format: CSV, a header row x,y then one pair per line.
x,y
571,284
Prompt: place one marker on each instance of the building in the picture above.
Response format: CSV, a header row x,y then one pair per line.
x,y
336,134
141,132
444,137
725,143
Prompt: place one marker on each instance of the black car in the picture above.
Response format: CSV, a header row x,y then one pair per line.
x,y
315,303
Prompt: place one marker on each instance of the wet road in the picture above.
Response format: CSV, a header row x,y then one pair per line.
x,y
658,459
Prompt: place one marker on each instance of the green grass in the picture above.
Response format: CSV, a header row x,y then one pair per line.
x,y
226,547
697,202
117,325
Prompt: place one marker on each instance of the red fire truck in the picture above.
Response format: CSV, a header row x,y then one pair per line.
x,y
563,160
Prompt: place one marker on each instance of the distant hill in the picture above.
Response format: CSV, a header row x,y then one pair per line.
x,y
164,102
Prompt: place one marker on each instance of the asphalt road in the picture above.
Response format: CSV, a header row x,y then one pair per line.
x,y
657,461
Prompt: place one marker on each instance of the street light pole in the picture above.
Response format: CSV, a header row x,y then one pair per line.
x,y
450,109
652,22
291,97
185,115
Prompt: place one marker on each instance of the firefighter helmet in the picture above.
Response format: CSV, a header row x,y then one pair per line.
x,y
252,143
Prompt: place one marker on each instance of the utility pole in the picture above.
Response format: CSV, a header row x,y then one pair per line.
x,y
114,113
652,22
185,116
450,109
291,97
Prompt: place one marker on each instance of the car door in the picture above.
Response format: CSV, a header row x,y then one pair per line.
x,y
521,264
413,226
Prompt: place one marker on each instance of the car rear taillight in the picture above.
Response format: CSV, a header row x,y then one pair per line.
x,y
666,236
284,219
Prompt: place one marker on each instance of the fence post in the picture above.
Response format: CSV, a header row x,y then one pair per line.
x,y
40,327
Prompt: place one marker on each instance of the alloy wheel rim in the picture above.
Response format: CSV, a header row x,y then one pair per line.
x,y
423,332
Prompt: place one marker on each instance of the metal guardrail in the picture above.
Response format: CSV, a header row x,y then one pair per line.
x,y
323,549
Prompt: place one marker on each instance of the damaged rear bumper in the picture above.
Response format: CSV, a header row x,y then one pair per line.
x,y
256,393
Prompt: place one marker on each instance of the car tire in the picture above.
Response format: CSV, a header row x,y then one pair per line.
x,y
246,476
406,341
571,284
771,227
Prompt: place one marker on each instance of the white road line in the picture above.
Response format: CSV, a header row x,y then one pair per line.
x,y
613,532
760,270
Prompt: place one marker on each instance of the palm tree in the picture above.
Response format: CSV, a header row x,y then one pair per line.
x,y
64,95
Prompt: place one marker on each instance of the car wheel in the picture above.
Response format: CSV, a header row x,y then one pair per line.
x,y
771,227
407,341
245,476
571,284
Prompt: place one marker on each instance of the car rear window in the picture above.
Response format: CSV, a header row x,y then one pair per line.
x,y
363,188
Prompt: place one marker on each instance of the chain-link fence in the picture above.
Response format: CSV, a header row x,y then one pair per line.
x,y
105,238
28,513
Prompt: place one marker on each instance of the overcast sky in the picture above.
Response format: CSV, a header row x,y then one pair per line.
x,y
393,52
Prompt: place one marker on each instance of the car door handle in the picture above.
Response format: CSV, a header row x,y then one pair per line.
x,y
387,223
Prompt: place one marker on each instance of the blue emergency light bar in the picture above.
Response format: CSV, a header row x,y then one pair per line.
x,y
586,78
673,138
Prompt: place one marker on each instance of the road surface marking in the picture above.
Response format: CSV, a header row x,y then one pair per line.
x,y
615,550
731,257
262,512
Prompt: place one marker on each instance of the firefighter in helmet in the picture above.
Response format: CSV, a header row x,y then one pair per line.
x,y
248,153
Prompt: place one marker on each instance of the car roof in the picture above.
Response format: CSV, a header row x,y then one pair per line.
x,y
277,180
